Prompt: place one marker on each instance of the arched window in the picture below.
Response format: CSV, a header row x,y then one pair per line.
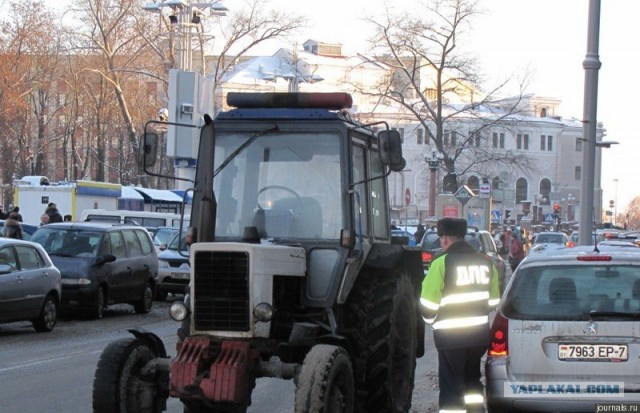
x,y
545,191
543,113
522,188
473,183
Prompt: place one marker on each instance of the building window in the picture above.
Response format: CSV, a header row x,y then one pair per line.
x,y
431,94
545,191
549,143
445,138
454,139
502,141
474,139
522,141
578,173
543,143
522,189
578,144
495,140
420,133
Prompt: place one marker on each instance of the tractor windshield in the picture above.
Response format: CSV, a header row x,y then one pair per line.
x,y
287,185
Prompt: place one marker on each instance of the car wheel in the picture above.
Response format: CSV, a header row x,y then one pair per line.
x,y
99,304
146,300
48,315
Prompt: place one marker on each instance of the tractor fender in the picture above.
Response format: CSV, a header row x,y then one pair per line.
x,y
152,340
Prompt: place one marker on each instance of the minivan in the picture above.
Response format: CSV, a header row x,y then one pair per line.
x,y
147,219
101,264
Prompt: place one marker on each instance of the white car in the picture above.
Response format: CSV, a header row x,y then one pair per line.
x,y
565,335
174,272
549,240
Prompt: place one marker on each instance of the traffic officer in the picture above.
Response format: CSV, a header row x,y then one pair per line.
x,y
458,293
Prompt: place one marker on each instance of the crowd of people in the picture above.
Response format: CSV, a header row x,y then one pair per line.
x,y
12,220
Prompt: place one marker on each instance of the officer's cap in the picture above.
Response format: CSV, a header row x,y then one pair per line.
x,y
455,227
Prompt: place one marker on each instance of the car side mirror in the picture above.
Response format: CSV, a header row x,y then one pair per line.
x,y
5,268
390,147
162,247
149,149
105,259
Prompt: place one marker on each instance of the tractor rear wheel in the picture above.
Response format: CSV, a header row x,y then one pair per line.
x,y
382,316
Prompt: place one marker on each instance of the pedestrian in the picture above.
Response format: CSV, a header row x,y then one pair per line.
x,y
2,214
419,233
44,219
16,210
68,218
459,291
54,214
516,249
12,227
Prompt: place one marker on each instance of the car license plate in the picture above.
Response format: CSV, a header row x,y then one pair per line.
x,y
593,352
180,275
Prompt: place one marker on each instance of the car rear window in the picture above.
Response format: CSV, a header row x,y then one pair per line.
x,y
572,291
431,241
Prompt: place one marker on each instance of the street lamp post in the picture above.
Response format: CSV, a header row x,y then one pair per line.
x,y
591,65
433,160
615,205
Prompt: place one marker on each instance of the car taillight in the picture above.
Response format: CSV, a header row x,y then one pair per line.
x,y
499,346
426,257
570,244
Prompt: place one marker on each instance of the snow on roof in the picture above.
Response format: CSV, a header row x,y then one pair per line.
x,y
129,192
158,194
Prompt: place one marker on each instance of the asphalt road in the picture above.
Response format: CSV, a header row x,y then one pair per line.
x,y
53,372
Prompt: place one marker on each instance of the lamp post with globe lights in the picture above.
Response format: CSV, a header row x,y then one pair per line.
x,y
433,161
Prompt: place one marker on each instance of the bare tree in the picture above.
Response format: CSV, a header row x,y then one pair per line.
x,y
631,216
110,29
438,84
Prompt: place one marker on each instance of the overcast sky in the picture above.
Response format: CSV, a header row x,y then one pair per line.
x,y
547,36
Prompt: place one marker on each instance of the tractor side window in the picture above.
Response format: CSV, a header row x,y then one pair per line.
x,y
360,199
378,199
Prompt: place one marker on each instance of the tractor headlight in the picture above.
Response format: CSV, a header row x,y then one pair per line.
x,y
263,312
178,311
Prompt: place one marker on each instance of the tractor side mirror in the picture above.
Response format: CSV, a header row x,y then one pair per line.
x,y
149,149
390,147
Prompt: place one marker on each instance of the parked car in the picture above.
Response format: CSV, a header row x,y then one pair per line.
x,y
565,332
29,284
481,240
27,229
173,269
101,264
163,236
406,237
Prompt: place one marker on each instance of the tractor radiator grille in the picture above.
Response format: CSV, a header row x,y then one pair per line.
x,y
221,291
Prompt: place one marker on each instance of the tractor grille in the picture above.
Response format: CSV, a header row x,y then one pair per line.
x,y
221,291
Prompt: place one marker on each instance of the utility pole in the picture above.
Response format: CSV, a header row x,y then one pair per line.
x,y
591,65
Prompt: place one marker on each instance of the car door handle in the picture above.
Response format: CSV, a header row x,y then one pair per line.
x,y
19,278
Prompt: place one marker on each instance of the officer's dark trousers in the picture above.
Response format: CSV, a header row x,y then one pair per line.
x,y
459,375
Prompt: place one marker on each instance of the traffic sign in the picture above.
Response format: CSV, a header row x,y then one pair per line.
x,y
463,194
